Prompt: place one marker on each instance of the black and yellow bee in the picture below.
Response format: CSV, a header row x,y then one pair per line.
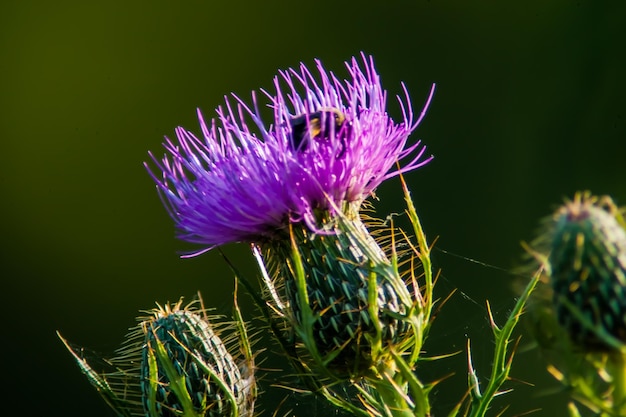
x,y
319,125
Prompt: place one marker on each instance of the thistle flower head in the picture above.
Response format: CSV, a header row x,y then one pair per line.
x,y
587,268
331,142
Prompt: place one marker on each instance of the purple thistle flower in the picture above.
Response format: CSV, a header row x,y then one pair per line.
x,y
330,145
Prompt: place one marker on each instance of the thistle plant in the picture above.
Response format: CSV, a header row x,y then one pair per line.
x,y
583,249
176,362
348,298
294,189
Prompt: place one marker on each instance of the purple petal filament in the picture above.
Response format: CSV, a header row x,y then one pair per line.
x,y
244,180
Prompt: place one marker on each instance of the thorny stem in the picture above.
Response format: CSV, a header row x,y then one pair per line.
x,y
424,254
392,397
502,359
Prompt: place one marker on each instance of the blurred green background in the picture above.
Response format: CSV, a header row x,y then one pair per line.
x,y
530,107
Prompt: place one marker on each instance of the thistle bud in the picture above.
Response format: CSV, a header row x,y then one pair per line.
x,y
588,272
185,368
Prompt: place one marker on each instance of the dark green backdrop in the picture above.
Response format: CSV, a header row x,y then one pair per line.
x,y
530,107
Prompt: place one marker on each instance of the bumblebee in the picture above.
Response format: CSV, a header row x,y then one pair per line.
x,y
319,125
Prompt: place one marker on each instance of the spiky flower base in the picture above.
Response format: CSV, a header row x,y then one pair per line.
x,y
354,295
588,272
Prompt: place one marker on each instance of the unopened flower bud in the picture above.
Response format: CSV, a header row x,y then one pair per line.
x,y
588,272
174,363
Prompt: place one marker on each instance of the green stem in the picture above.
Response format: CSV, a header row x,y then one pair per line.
x,y
502,359
419,393
618,362
393,400
424,253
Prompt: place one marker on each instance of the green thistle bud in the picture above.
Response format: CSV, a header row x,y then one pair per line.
x,y
186,366
174,363
344,299
587,263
